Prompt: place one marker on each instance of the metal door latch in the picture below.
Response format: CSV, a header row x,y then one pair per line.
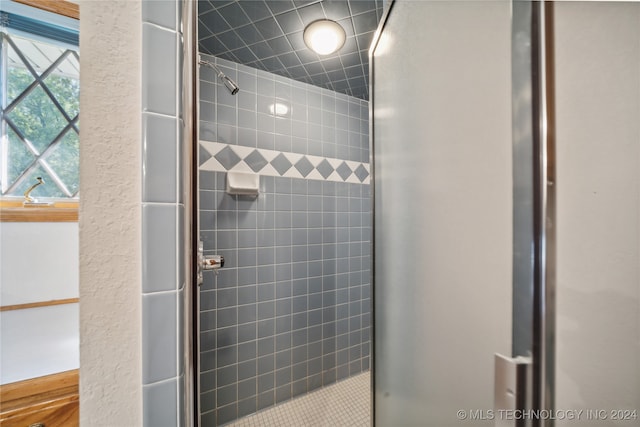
x,y
207,262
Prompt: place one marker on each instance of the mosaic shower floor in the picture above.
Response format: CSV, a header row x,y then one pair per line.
x,y
346,404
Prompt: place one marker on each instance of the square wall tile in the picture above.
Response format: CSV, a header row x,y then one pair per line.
x,y
159,158
159,65
159,337
160,12
159,255
160,402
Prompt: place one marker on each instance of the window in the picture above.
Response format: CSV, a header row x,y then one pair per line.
x,y
40,122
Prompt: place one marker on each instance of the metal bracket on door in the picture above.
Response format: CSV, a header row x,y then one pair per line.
x,y
208,262
512,390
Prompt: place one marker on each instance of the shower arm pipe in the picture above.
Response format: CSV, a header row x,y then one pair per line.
x,y
230,84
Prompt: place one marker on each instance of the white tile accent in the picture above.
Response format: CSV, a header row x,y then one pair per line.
x,y
269,155
242,151
269,170
292,173
293,157
212,165
335,163
212,147
335,177
315,161
242,167
353,165
353,179
314,174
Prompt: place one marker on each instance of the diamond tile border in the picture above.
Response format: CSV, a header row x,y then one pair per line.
x,y
343,170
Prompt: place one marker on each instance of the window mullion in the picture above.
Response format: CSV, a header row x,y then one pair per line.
x,y
55,141
39,80
46,73
22,138
53,175
25,173
55,101
74,123
40,158
23,95
31,70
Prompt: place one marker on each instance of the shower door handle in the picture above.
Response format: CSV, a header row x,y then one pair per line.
x,y
207,262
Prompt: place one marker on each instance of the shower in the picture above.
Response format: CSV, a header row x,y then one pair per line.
x,y
290,313
230,84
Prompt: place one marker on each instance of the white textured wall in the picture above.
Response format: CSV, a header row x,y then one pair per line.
x,y
25,333
38,261
110,225
598,208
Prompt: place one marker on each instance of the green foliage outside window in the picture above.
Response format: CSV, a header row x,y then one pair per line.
x,y
38,139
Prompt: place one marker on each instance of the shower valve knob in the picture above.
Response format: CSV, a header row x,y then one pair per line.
x,y
213,262
206,262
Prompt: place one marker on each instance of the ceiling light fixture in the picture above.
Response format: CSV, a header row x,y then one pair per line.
x,y
324,36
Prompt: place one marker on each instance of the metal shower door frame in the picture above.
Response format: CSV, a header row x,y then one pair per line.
x,y
189,121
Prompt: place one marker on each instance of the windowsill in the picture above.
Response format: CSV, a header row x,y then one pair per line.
x,y
14,211
64,8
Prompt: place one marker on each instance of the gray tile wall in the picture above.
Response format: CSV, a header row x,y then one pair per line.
x,y
290,311
319,122
162,216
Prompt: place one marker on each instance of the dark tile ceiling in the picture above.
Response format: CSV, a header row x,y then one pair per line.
x,y
267,34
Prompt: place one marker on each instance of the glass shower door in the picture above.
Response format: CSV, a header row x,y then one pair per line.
x,y
442,211
452,186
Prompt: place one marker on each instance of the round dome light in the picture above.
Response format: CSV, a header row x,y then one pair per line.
x,y
324,36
